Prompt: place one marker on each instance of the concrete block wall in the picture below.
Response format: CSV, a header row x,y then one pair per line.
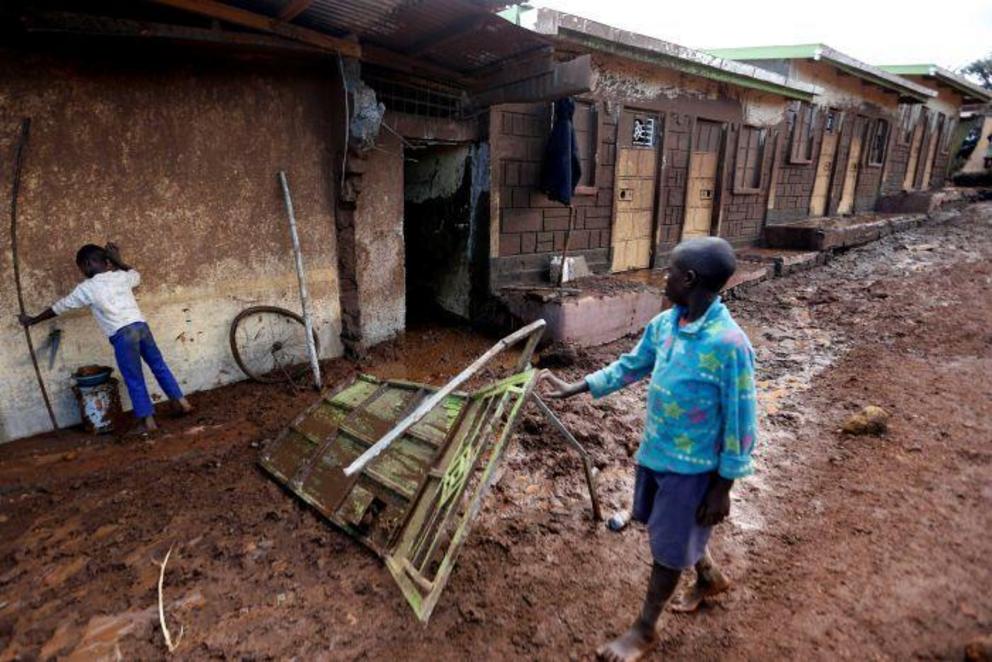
x,y
530,223
678,129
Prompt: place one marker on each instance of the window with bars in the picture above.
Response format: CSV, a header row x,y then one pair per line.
x,y
749,160
801,150
878,141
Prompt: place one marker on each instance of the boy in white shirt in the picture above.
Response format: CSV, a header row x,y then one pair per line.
x,y
107,293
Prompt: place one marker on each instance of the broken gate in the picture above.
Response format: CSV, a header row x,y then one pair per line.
x,y
403,467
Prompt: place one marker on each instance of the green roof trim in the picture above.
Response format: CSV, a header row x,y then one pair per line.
x,y
906,89
971,92
794,52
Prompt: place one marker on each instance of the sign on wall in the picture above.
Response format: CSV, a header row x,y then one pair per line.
x,y
643,132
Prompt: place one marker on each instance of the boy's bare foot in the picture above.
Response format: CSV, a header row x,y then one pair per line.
x,y
145,426
185,408
707,584
632,645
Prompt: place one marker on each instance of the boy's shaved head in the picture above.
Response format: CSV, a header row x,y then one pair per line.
x,y
712,259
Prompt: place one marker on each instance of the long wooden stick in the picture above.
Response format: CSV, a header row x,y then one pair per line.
x,y
22,144
302,277
427,405
170,644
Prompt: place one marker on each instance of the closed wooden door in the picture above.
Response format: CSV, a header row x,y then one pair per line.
x,y
935,141
824,168
634,198
914,158
851,170
701,187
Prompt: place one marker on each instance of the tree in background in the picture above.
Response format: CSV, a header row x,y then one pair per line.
x,y
982,70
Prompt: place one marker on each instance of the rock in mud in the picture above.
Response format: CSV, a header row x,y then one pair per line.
x,y
979,650
870,420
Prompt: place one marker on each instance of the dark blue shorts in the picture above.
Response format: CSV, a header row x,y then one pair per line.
x,y
666,503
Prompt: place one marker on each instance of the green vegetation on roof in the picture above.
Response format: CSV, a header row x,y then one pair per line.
x,y
908,69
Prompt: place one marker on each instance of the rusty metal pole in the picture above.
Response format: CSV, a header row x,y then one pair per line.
x,y
304,294
22,144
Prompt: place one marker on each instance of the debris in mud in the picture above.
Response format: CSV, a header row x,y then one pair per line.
x,y
979,650
558,355
870,420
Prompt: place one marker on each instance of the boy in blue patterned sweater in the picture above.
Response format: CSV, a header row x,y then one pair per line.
x,y
700,430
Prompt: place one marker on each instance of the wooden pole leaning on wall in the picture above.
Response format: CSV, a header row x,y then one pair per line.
x,y
22,145
301,276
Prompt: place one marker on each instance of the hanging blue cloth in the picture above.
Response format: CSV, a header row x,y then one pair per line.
x,y
561,169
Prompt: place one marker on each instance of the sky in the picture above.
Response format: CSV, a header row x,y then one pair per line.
x,y
874,31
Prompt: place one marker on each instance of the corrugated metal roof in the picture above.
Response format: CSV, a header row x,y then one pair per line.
x,y
459,35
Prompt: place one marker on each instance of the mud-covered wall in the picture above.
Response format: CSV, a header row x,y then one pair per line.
x,y
173,156
379,242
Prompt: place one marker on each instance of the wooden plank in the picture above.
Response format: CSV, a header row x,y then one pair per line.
x,y
255,21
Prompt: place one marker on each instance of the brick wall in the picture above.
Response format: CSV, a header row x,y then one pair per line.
x,y
678,128
530,223
744,214
939,171
895,167
794,185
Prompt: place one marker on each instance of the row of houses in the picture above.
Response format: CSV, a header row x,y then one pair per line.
x,y
412,135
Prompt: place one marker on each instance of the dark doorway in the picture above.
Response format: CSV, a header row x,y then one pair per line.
x,y
445,200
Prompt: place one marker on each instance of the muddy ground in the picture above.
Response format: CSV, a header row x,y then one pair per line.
x,y
854,547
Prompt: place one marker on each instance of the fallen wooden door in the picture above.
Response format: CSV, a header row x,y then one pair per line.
x,y
851,170
701,187
914,157
636,175
824,168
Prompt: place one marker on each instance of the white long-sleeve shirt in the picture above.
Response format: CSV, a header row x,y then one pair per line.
x,y
109,298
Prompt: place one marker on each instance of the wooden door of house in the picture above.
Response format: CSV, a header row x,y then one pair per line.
x,y
704,161
846,205
914,157
636,182
935,140
824,167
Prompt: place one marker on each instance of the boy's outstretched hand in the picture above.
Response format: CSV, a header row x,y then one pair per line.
x,y
561,389
25,319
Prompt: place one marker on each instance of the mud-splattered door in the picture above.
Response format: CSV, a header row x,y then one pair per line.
x,y
634,199
704,161
846,205
824,167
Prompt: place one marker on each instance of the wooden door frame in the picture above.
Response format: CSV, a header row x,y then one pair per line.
x,y
716,214
838,115
659,154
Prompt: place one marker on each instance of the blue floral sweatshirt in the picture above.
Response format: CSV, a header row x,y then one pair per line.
x,y
702,410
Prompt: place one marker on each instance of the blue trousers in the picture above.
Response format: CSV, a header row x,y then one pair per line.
x,y
131,344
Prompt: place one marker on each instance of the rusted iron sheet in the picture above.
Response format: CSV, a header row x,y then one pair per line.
x,y
414,503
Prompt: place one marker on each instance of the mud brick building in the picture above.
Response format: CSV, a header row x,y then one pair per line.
x,y
923,139
674,143
161,125
841,145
